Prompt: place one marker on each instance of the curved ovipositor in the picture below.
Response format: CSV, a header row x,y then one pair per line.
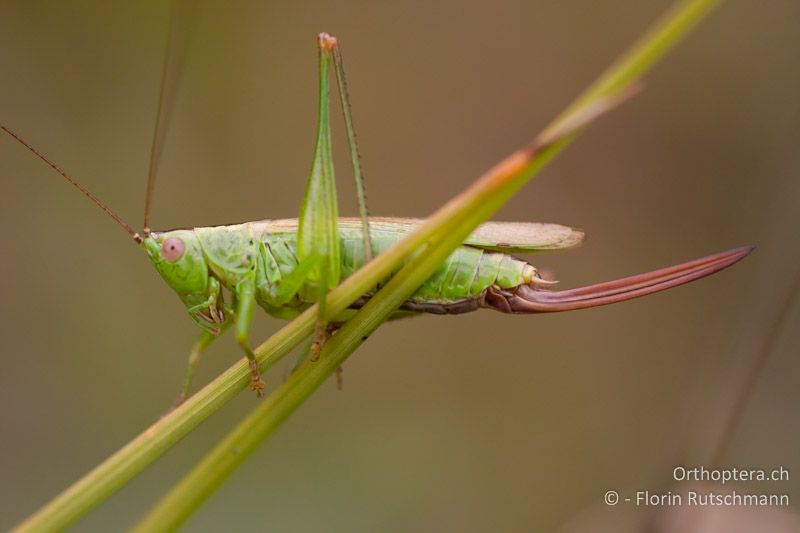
x,y
528,298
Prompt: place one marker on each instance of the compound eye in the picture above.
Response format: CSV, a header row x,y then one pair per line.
x,y
172,249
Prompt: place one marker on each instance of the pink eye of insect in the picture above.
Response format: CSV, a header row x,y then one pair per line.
x,y
172,249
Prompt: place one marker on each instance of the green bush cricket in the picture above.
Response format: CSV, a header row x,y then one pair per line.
x,y
285,266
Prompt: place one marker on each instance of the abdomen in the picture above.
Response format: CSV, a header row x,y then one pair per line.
x,y
457,286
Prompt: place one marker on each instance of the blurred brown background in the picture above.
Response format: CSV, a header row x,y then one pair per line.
x,y
474,423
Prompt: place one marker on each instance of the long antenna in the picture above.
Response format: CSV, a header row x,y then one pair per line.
x,y
92,197
173,58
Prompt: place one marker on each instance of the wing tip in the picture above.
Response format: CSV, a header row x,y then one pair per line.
x,y
576,237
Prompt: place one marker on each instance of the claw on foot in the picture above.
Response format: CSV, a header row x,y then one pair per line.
x,y
178,401
322,332
256,383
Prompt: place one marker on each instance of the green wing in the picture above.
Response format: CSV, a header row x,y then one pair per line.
x,y
506,237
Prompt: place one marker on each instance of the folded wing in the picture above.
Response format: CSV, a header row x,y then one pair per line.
x,y
506,237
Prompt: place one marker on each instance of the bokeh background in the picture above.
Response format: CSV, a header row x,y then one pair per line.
x,y
482,422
